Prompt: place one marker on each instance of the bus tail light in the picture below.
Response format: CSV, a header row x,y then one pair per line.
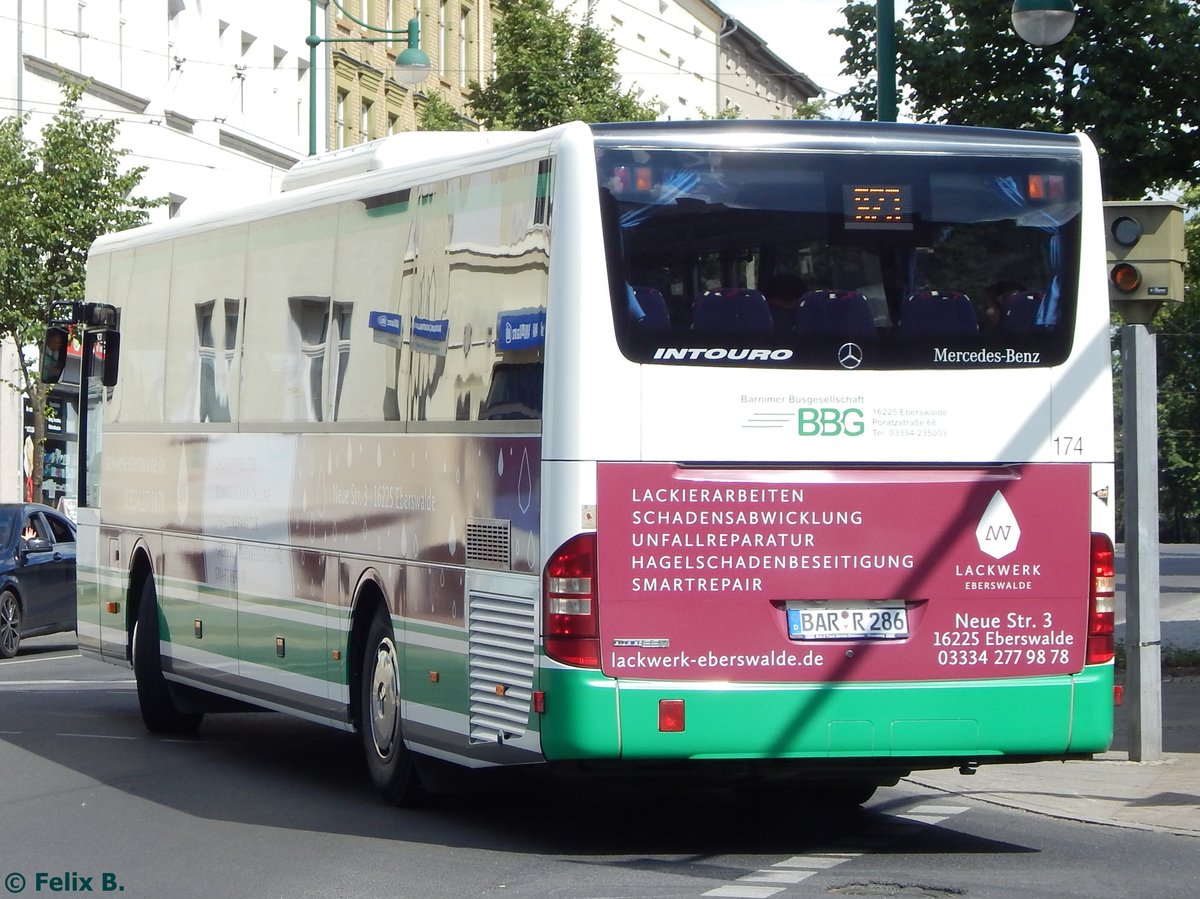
x,y
1101,612
571,621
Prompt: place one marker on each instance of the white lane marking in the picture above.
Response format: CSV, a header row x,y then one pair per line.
x,y
799,868
745,892
816,862
48,657
932,814
771,876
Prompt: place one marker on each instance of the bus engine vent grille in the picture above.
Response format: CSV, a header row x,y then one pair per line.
x,y
500,643
488,543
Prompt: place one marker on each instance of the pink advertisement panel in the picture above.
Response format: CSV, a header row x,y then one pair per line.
x,y
859,575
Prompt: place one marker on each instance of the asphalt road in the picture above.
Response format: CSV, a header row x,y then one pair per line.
x,y
262,805
1179,595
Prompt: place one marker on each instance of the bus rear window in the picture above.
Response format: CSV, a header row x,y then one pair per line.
x,y
783,258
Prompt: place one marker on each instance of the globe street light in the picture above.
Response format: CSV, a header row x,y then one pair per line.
x,y
412,65
1043,22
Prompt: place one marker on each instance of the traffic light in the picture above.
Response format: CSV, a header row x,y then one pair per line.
x,y
1145,251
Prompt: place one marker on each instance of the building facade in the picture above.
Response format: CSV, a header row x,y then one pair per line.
x,y
691,60
365,98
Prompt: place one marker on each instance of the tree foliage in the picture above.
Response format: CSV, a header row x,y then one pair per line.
x,y
437,114
549,71
1121,76
61,194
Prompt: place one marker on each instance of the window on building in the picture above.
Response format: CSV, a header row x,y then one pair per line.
x,y
464,47
365,122
341,126
443,28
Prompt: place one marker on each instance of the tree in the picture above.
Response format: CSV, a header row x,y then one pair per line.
x,y
549,71
72,190
1117,77
728,113
817,108
436,114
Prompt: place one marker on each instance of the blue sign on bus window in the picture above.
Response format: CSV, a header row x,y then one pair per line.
x,y
521,329
386,327
430,335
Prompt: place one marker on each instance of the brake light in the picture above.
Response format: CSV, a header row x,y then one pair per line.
x,y
1101,602
571,632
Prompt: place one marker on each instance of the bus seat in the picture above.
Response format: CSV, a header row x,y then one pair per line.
x,y
937,313
657,318
737,309
1019,311
835,313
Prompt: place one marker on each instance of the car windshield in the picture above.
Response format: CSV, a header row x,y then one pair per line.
x,y
7,526
782,257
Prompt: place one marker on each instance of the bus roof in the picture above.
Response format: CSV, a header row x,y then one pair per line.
x,y
831,135
415,155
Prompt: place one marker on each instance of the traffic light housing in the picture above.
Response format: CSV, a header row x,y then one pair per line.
x,y
1144,239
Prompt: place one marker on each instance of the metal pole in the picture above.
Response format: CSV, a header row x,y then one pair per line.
x,y
1142,629
885,60
313,40
20,57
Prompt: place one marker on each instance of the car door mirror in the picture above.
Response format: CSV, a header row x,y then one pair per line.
x,y
38,545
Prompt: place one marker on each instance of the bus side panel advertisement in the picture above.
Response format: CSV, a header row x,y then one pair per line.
x,y
842,575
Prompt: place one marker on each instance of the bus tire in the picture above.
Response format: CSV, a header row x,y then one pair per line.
x,y
390,762
160,713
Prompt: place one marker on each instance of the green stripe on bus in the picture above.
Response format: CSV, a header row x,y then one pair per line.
x,y
978,718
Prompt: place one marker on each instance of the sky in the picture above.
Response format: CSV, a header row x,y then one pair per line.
x,y
798,32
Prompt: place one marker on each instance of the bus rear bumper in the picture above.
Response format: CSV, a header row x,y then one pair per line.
x,y
592,717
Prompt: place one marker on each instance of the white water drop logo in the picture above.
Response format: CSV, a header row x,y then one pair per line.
x,y
998,532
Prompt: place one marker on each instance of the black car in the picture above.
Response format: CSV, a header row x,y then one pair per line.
x,y
37,574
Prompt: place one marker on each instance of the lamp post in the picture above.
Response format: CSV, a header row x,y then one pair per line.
x,y
1043,23
1037,22
412,65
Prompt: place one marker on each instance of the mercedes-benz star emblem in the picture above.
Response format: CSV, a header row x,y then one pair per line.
x,y
850,355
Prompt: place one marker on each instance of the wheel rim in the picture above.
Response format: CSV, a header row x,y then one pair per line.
x,y
10,623
385,699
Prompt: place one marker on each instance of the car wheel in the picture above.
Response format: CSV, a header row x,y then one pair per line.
x,y
10,624
159,711
388,759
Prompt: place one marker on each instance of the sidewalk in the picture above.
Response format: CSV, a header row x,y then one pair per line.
x,y
1111,790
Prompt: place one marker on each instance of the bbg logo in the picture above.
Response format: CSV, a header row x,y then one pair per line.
x,y
825,421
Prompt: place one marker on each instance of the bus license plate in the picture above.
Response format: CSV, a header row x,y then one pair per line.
x,y
874,620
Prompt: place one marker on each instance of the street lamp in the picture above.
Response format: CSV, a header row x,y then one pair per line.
x,y
1037,22
1043,22
412,65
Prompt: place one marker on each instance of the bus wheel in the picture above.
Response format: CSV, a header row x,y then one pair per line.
x,y
159,712
388,759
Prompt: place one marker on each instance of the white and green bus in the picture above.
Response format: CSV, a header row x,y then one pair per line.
x,y
763,451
